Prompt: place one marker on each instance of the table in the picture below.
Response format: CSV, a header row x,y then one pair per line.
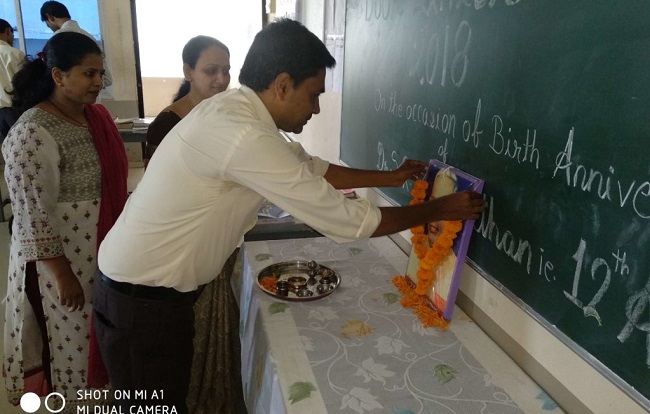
x,y
358,350
131,135
276,229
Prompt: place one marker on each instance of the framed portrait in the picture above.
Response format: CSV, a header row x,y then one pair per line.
x,y
443,180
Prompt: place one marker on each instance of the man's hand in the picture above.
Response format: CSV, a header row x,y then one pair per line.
x,y
466,205
344,177
409,170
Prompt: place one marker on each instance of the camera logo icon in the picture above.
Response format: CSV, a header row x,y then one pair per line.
x,y
30,402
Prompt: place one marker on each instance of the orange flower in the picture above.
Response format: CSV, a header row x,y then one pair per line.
x,y
454,226
356,328
269,283
419,191
414,296
429,317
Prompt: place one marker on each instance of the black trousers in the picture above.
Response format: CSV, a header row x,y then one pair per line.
x,y
8,118
146,345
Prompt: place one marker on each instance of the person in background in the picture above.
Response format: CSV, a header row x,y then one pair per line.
x,y
66,170
202,191
206,68
57,18
215,385
11,59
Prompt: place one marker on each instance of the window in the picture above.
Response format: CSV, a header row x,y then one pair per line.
x,y
8,13
32,33
163,29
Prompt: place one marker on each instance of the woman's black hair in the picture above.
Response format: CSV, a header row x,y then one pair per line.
x,y
191,53
33,83
284,46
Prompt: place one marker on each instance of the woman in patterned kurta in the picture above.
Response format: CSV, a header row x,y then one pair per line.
x,y
66,173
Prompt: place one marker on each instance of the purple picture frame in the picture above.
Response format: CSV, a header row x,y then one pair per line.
x,y
443,302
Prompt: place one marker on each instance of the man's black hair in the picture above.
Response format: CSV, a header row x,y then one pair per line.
x,y
4,25
54,9
284,46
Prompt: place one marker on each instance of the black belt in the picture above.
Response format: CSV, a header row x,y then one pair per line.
x,y
144,292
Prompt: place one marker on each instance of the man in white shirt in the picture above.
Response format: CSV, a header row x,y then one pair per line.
x,y
202,191
11,59
57,17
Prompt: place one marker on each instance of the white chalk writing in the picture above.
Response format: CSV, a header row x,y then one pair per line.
x,y
511,148
432,58
636,307
439,6
437,119
519,251
388,163
591,180
378,9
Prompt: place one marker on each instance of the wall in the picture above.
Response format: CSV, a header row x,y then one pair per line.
x,y
162,49
567,377
233,23
158,93
122,98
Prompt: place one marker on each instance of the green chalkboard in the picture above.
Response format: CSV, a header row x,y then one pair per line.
x,y
549,103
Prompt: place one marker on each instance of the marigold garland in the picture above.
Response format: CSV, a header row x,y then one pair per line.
x,y
414,295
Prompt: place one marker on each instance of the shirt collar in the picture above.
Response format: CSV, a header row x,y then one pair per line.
x,y
259,106
70,24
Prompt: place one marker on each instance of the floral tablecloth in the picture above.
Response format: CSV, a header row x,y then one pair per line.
x,y
358,350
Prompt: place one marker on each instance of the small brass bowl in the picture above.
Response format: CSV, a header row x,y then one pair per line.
x,y
297,282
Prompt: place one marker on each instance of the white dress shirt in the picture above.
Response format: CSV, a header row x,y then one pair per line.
x,y
11,59
204,186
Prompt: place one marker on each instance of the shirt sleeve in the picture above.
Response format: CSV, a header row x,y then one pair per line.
x,y
316,165
32,175
15,64
291,179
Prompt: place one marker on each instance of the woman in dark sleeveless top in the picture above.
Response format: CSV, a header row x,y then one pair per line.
x,y
206,67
